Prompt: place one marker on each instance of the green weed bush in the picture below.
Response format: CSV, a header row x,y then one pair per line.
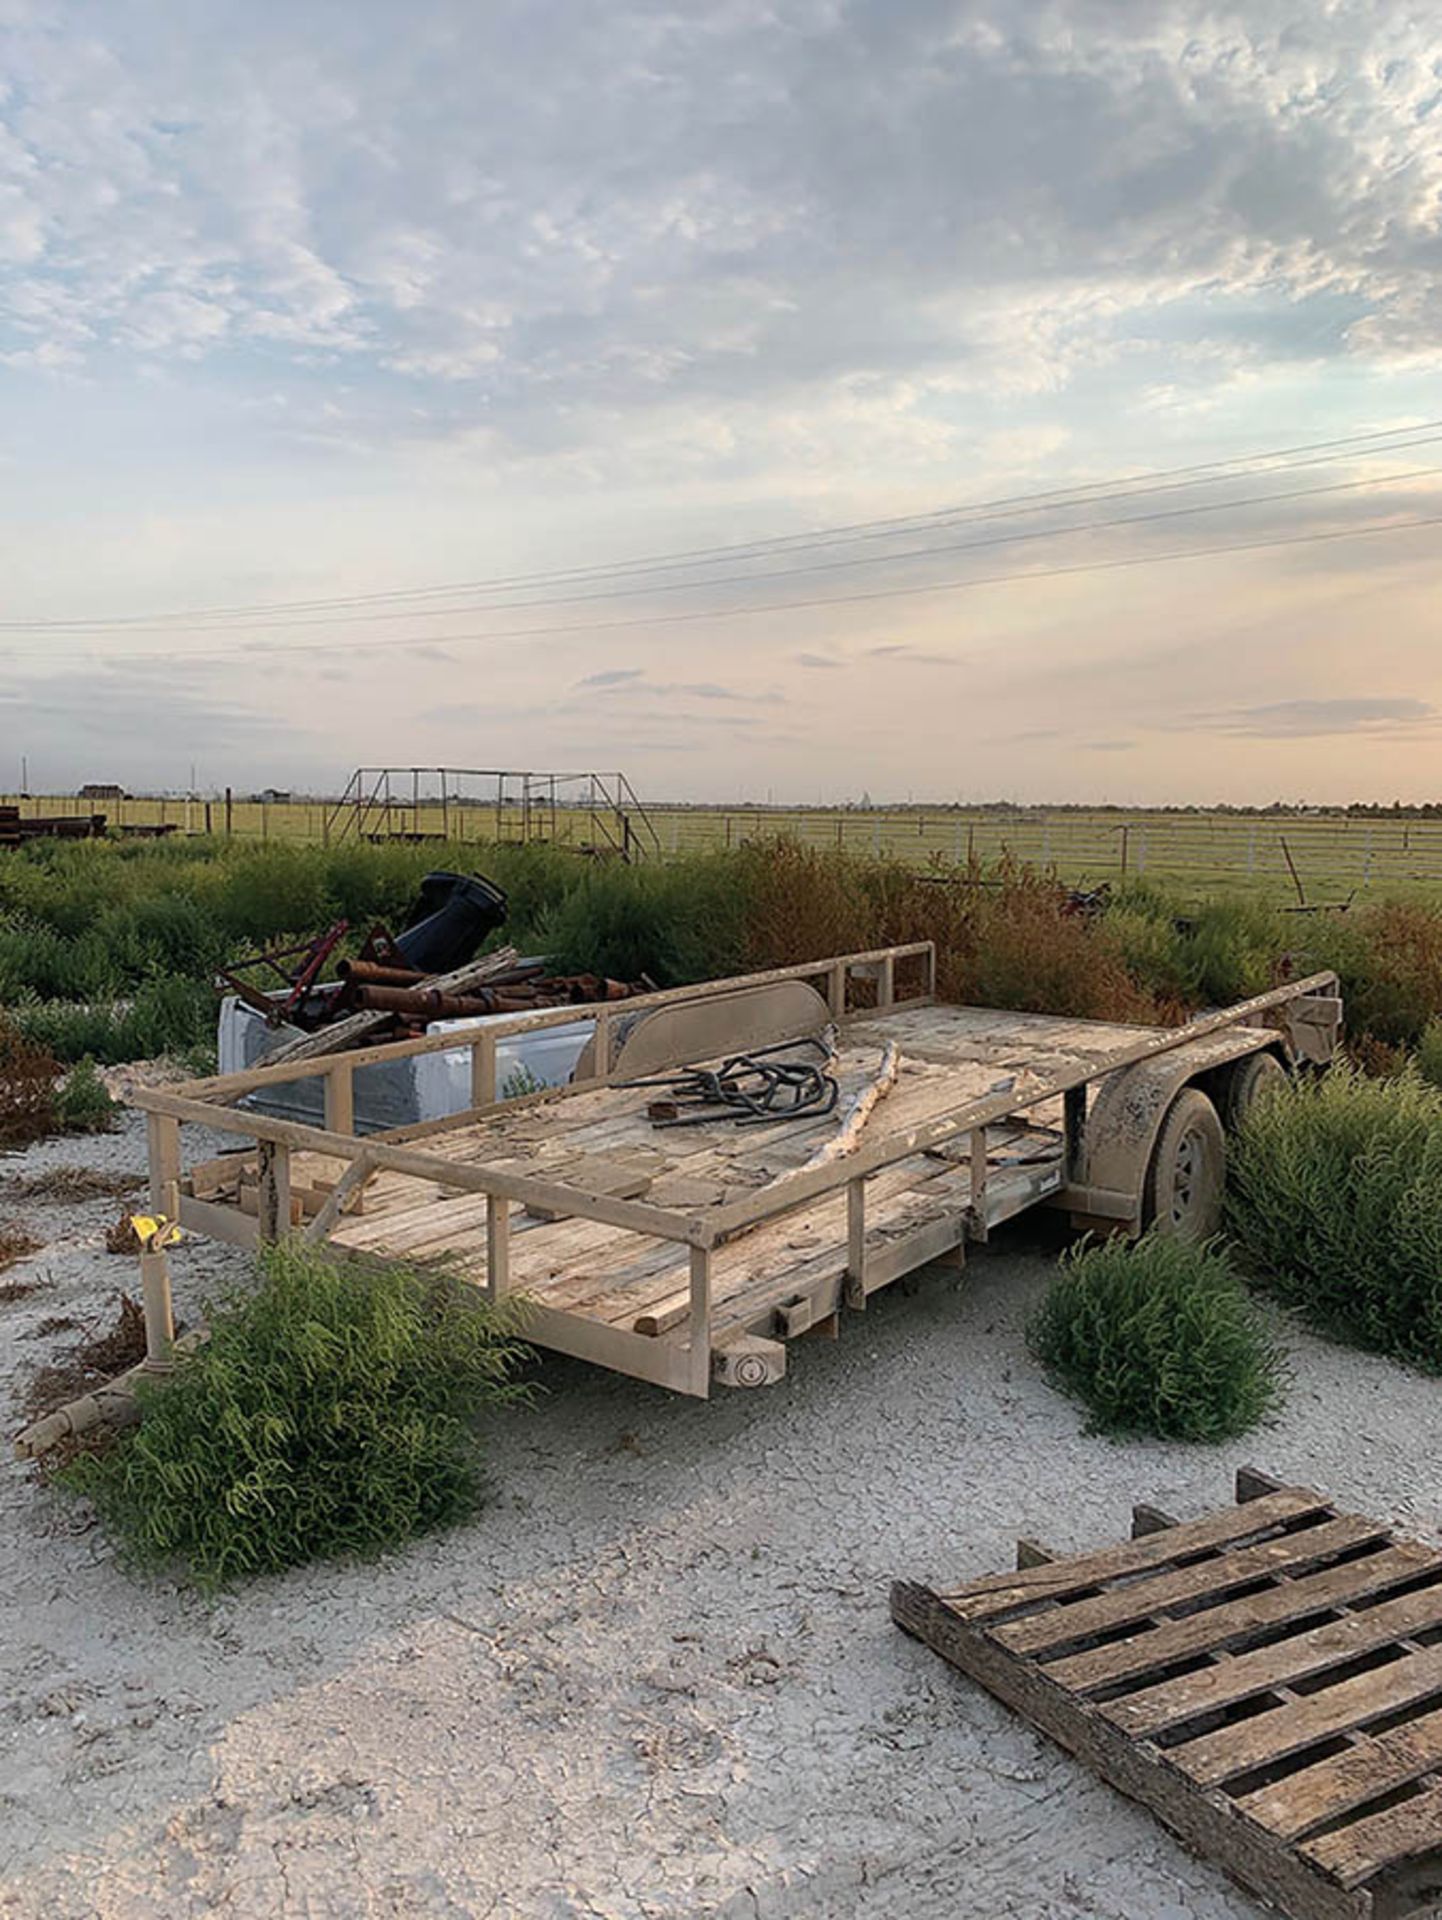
x,y
1429,1052
675,923
1389,960
83,1104
1159,1337
1205,955
334,1410
1335,1196
103,927
167,1015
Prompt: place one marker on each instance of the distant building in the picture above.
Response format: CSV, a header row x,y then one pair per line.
x,y
273,796
102,790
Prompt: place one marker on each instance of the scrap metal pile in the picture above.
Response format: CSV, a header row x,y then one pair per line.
x,y
16,829
396,984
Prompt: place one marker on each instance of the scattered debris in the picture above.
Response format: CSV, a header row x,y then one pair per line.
x,y
70,1184
15,830
848,1138
123,1237
93,1362
123,1346
16,1242
13,1290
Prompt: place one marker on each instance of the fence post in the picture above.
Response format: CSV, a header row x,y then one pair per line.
x,y
163,1140
1126,835
229,807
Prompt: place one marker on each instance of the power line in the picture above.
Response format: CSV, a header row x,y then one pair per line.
x,y
831,566
691,616
1091,493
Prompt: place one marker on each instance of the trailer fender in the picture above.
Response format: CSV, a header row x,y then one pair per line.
x,y
1127,1114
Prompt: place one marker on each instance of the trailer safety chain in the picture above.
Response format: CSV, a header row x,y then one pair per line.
x,y
750,1088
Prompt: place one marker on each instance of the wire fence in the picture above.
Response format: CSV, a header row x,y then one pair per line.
x,y
1310,859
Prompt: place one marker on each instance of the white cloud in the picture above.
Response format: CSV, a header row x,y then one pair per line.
x,y
853,210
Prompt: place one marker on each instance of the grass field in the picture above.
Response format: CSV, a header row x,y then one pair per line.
x,y
1314,858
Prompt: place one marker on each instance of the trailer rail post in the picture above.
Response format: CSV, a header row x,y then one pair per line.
x,y
699,1324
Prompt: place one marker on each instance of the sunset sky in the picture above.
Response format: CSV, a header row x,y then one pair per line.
x,y
357,302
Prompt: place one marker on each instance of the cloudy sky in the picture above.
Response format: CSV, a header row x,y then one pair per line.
x,y
926,397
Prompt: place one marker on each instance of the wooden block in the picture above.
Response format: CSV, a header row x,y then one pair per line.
x,y
1031,1553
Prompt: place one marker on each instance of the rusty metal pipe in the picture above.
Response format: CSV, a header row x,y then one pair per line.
x,y
370,973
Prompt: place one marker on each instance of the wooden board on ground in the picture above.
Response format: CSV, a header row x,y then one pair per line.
x,y
1266,1679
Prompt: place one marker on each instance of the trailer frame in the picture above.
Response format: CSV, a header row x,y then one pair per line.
x,y
1073,1125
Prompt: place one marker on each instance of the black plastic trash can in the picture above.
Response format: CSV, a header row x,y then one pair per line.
x,y
450,921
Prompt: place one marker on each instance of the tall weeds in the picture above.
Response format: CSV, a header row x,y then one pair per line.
x,y
1158,1336
1335,1196
333,1410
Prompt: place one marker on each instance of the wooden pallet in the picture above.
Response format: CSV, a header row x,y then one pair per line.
x,y
1267,1679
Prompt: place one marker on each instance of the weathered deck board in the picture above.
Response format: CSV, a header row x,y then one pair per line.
x,y
1327,1819
1156,1593
1226,1627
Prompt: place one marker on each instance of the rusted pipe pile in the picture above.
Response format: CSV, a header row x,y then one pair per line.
x,y
427,1003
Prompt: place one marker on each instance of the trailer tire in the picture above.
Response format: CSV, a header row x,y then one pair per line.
x,y
1187,1170
1259,1075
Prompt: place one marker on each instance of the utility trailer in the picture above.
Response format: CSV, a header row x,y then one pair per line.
x,y
691,1255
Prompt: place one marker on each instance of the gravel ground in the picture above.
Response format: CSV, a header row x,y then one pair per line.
x,y
657,1677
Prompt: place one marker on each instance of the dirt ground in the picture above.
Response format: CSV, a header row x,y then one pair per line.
x,y
657,1678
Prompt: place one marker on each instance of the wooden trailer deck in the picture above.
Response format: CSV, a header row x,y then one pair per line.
x,y
680,1255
